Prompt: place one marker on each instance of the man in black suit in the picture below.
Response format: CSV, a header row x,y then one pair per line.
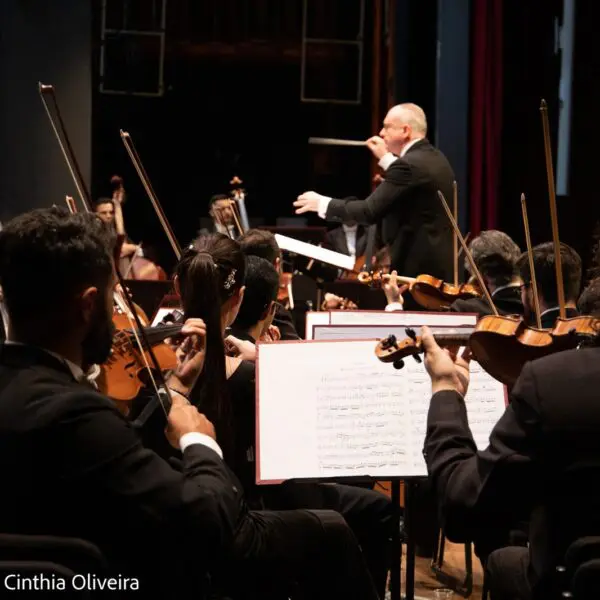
x,y
349,239
543,459
73,466
547,285
370,514
495,256
220,211
260,242
405,205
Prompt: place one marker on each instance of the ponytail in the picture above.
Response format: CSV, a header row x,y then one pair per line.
x,y
209,273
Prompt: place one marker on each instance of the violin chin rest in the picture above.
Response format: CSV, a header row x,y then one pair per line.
x,y
398,364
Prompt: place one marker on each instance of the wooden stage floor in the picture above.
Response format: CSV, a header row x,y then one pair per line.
x,y
454,564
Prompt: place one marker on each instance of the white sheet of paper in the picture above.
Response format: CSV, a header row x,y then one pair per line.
x,y
161,313
410,319
346,414
378,332
311,251
315,318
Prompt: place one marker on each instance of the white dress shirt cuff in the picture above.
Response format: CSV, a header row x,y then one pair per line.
x,y
323,204
393,306
386,160
188,439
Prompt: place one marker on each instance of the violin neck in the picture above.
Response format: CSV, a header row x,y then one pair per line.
x,y
452,339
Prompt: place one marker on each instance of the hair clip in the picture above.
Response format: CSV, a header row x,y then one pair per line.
x,y
230,279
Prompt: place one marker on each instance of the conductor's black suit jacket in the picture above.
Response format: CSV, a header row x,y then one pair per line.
x,y
407,209
71,465
543,460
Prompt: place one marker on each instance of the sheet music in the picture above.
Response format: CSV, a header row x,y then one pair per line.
x,y
315,318
401,317
378,332
311,251
344,413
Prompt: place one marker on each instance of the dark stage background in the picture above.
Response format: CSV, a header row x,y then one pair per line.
x,y
231,104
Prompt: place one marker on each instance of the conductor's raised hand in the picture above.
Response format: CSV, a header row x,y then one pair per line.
x,y
308,202
190,356
184,418
447,370
377,146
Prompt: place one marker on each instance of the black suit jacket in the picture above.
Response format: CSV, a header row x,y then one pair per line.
x,y
543,459
336,240
506,300
412,220
72,465
284,320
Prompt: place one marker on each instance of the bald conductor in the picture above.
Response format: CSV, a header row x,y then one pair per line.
x,y
405,205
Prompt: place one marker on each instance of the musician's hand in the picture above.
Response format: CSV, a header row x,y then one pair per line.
x,y
308,202
184,418
377,146
242,348
190,356
377,179
447,370
331,302
393,292
272,334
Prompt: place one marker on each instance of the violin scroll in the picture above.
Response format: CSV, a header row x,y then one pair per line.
x,y
389,350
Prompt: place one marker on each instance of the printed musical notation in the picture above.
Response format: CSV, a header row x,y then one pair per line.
x,y
348,414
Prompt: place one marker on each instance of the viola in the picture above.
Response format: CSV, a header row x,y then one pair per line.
x,y
428,291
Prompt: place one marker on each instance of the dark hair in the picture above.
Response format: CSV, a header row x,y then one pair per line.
x,y
48,255
214,199
495,254
210,271
589,301
545,271
103,201
260,242
262,285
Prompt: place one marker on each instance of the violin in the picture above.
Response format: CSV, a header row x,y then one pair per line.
x,y
333,302
428,291
126,371
501,345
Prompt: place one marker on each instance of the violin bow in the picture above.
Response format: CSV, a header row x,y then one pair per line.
x,y
468,254
47,91
460,250
139,167
455,239
553,211
536,300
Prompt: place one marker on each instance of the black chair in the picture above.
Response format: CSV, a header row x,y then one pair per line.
x,y
579,577
52,556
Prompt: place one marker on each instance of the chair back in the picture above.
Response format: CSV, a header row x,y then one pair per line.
x,y
579,577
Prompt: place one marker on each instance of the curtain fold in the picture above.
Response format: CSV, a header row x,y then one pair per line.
x,y
486,114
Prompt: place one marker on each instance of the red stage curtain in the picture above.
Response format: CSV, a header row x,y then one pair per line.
x,y
486,114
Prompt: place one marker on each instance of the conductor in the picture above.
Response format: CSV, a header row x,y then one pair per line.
x,y
405,206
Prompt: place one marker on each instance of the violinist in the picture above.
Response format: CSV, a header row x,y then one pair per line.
x,y
543,460
71,464
589,301
260,242
254,321
495,254
405,206
543,260
210,279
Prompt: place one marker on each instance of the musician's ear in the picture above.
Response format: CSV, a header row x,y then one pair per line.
x,y
278,262
88,304
176,285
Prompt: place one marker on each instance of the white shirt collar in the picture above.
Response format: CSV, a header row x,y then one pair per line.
x,y
409,146
349,228
505,287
